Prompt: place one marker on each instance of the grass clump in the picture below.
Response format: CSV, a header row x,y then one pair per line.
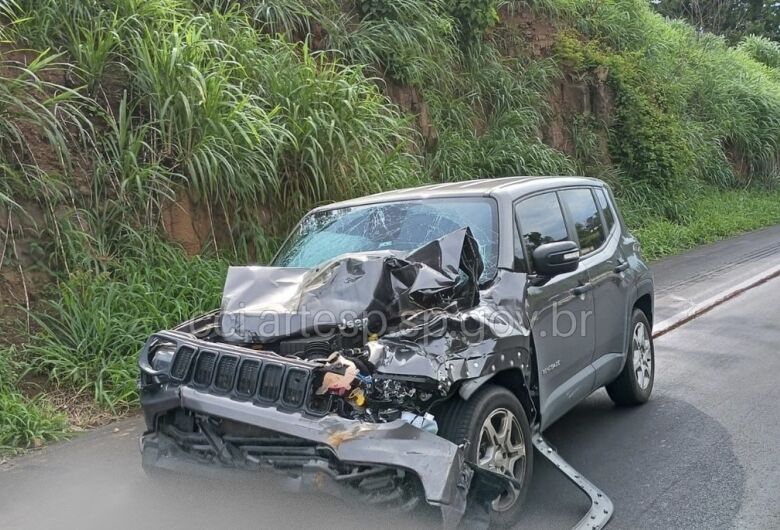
x,y
24,422
761,49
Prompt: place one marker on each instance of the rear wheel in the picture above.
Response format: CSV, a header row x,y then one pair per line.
x,y
499,439
635,383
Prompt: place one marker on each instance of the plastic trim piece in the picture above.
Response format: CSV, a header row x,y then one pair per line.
x,y
601,507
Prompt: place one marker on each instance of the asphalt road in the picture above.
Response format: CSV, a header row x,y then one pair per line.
x,y
687,279
704,453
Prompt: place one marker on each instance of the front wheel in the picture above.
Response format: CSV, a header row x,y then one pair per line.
x,y
635,383
496,428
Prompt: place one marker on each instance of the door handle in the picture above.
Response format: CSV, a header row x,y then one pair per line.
x,y
622,266
582,289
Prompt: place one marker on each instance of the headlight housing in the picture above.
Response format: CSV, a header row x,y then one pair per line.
x,y
161,357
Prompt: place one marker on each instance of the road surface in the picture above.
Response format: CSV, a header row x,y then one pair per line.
x,y
702,454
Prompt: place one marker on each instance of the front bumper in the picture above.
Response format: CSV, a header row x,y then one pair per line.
x,y
437,463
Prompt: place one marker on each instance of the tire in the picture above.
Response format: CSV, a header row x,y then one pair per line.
x,y
463,421
635,383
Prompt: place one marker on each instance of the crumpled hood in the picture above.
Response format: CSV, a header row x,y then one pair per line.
x,y
265,304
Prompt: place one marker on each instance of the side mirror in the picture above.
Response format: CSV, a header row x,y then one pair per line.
x,y
556,258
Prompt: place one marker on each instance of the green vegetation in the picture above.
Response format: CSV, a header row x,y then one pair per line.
x,y
713,215
24,421
117,115
87,338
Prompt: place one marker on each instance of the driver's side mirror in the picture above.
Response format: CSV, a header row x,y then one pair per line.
x,y
556,258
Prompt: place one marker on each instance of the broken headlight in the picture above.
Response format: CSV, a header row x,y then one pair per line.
x,y
161,357
411,393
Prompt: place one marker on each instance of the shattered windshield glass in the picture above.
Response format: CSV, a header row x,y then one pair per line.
x,y
400,226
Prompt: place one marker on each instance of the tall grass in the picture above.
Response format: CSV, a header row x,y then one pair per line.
x,y
410,41
26,422
690,109
489,120
88,335
761,49
714,214
28,102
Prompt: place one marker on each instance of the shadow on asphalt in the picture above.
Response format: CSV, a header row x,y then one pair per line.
x,y
664,465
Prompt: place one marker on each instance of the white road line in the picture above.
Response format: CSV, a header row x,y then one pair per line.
x,y
702,307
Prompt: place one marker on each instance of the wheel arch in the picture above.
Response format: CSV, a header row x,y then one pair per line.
x,y
645,304
644,299
514,380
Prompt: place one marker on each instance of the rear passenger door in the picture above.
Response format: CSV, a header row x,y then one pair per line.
x,y
561,320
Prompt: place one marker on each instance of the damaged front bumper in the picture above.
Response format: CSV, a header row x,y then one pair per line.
x,y
224,405
436,462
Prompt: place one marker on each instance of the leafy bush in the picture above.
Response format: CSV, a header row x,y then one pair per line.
x,y
652,148
474,17
690,110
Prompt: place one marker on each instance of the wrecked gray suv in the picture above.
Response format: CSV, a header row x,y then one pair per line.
x,y
412,345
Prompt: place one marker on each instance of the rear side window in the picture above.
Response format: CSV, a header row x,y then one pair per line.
x,y
606,209
585,216
541,220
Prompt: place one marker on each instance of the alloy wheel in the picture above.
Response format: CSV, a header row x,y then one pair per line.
x,y
643,356
502,449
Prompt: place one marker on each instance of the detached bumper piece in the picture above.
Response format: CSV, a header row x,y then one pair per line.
x,y
601,507
390,464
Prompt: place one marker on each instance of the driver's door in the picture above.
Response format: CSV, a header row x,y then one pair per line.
x,y
560,310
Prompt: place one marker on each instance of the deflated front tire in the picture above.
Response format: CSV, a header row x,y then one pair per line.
x,y
495,427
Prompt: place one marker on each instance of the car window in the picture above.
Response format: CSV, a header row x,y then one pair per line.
x,y
606,210
585,216
541,220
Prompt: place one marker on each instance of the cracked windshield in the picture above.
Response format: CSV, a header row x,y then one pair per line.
x,y
400,226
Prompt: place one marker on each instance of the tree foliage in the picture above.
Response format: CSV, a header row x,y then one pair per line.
x,y
730,18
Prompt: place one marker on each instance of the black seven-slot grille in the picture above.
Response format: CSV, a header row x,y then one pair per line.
x,y
266,382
